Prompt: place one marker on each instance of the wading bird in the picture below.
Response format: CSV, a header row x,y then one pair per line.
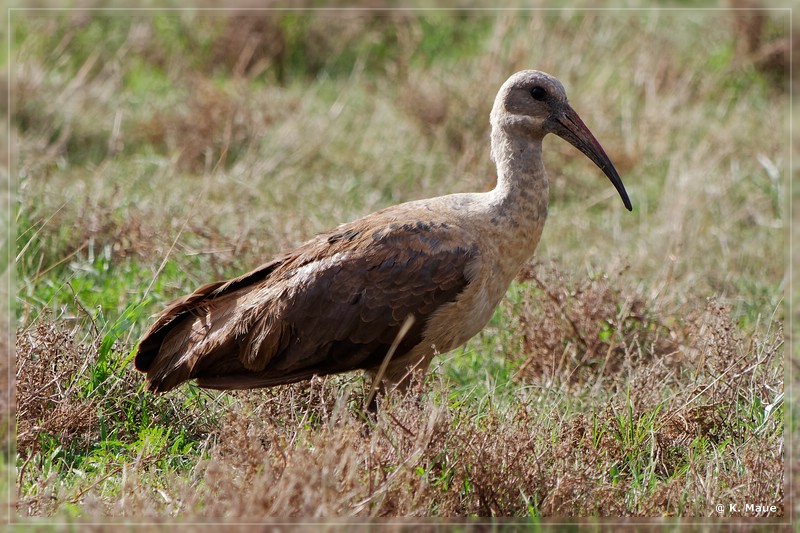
x,y
387,292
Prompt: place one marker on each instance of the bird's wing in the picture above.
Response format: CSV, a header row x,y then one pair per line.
x,y
188,306
334,304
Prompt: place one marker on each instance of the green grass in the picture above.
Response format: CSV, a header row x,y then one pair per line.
x,y
635,368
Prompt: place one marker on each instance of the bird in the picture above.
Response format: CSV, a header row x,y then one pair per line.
x,y
389,291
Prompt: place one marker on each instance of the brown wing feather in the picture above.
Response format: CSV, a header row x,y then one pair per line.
x,y
334,304
150,345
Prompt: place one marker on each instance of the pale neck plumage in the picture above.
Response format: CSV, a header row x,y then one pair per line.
x,y
518,204
522,189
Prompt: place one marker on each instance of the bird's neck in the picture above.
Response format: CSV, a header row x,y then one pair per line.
x,y
516,209
522,190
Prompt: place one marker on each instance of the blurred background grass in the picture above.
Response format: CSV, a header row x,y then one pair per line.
x,y
256,132
155,151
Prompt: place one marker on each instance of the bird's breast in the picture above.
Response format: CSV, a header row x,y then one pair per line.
x,y
456,322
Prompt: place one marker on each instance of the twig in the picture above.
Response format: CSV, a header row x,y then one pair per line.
x,y
396,421
393,348
25,464
93,485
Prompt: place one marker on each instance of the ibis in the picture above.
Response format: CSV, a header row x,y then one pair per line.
x,y
387,292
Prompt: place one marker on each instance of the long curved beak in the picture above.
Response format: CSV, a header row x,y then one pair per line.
x,y
569,126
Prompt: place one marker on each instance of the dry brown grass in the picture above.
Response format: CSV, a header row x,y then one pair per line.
x,y
575,331
306,451
47,371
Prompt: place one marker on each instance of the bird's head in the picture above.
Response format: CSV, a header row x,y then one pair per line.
x,y
532,104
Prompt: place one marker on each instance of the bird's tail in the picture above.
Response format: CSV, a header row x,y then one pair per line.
x,y
199,333
192,329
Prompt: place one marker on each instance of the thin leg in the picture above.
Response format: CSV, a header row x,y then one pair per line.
x,y
396,379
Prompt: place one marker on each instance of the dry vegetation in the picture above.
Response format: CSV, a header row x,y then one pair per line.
x,y
307,450
636,367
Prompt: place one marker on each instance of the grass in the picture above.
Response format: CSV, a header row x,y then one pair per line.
x,y
635,368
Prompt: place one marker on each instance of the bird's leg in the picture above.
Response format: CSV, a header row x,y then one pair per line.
x,y
378,386
396,379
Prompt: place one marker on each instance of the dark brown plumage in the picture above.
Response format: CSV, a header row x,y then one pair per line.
x,y
339,301
334,304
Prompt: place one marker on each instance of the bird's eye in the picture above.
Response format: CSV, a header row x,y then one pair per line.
x,y
538,93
